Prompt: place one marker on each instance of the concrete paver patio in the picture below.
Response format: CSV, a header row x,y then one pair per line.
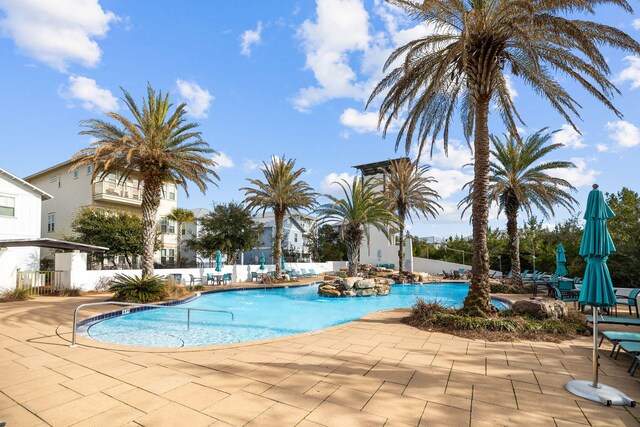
x,y
375,371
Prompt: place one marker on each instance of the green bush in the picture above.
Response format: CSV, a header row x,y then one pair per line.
x,y
70,292
195,288
138,289
15,295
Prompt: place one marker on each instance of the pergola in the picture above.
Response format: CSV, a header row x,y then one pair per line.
x,y
51,244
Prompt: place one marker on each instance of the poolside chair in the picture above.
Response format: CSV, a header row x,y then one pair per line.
x,y
630,301
447,275
626,321
615,337
565,291
313,272
254,276
304,273
632,348
211,278
226,277
194,280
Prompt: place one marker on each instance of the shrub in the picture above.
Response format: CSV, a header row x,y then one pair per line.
x,y
104,283
138,289
173,290
17,294
70,292
195,288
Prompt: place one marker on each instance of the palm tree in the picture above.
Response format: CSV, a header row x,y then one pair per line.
x,y
281,191
158,146
362,206
180,216
406,190
519,181
460,67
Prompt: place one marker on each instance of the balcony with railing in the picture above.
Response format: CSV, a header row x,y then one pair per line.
x,y
112,192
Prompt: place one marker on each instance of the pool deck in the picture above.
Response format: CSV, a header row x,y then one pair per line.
x,y
375,371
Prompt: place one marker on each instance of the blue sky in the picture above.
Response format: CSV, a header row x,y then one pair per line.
x,y
268,78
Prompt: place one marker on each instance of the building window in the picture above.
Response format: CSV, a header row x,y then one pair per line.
x,y
163,225
75,174
7,206
163,256
167,226
295,237
51,223
89,170
171,256
172,195
172,227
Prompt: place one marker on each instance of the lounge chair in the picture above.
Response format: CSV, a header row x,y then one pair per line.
x,y
630,301
447,275
565,291
633,349
615,337
626,321
312,272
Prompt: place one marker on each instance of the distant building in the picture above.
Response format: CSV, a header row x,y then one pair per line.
x,y
20,213
294,231
192,231
73,189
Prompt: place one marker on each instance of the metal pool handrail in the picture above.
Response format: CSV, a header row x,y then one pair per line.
x,y
89,304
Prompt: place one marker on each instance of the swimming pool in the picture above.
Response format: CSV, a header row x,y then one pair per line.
x,y
259,314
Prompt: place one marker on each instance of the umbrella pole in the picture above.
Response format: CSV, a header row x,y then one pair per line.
x,y
594,313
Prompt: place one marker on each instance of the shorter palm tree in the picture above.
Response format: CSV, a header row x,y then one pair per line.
x,y
519,180
362,206
406,190
180,216
283,192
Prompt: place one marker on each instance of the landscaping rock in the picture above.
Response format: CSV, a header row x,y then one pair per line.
x,y
383,289
365,284
349,293
330,279
385,281
366,292
328,291
541,308
348,282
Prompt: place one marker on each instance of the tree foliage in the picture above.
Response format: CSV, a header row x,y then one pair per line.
x,y
326,244
180,216
229,228
121,232
624,264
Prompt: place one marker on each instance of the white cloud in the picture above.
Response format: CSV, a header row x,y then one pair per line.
x,y
249,38
449,182
250,165
626,134
222,160
359,122
631,73
90,95
636,24
510,87
57,33
458,154
568,136
198,99
579,176
602,147
329,184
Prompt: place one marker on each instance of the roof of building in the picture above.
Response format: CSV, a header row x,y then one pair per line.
x,y
42,172
200,212
374,168
52,244
22,183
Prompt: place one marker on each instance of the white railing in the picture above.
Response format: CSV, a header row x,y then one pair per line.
x,y
42,282
107,188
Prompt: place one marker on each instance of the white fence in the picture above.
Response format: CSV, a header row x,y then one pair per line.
x,y
88,279
433,266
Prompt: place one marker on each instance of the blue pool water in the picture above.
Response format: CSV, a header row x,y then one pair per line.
x,y
261,314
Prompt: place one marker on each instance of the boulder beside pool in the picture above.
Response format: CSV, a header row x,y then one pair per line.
x,y
541,308
354,287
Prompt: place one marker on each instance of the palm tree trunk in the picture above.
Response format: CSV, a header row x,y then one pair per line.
x,y
514,242
478,302
401,247
277,249
178,242
353,242
150,203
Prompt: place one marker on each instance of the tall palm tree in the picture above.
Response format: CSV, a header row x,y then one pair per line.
x,y
406,190
460,67
283,192
519,181
180,216
363,205
158,146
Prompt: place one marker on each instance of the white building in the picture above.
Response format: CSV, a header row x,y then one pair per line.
x,y
20,213
294,230
193,230
73,189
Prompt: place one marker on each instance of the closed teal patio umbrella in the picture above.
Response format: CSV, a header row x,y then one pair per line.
x,y
219,261
262,261
597,291
561,261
